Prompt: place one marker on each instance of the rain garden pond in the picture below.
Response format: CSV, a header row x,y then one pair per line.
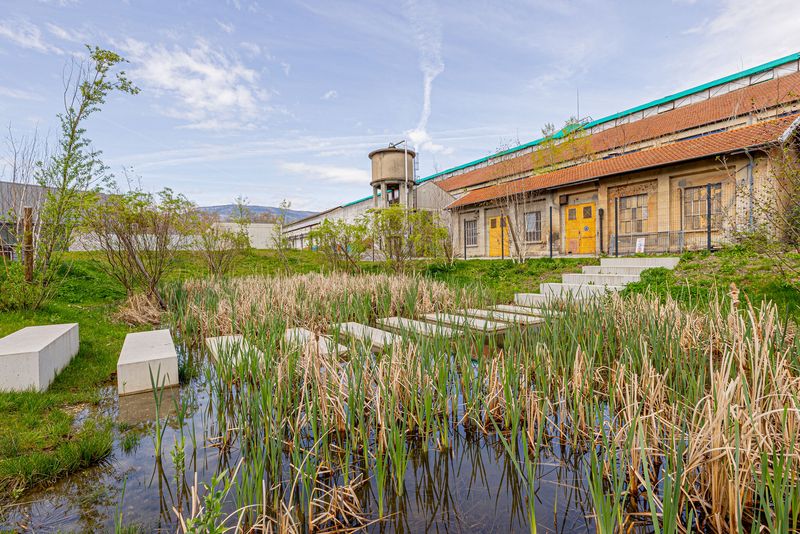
x,y
621,413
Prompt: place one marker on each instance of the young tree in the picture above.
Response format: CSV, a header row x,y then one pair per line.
x,y
279,239
341,243
73,174
218,246
776,211
140,234
402,234
242,216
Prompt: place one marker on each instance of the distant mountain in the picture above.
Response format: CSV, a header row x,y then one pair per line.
x,y
225,211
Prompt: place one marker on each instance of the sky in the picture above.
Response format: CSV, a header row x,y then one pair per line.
x,y
275,100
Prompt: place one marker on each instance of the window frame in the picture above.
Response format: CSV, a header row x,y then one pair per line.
x,y
471,234
716,208
639,208
530,235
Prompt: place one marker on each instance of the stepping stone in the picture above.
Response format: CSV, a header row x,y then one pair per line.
x,y
472,322
230,347
301,337
31,358
144,353
378,339
523,310
513,318
417,327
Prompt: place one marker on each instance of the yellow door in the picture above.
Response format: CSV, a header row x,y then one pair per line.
x,y
499,239
581,228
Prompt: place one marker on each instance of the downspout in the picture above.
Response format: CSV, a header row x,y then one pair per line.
x,y
750,167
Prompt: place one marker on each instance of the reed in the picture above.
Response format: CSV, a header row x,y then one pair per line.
x,y
676,419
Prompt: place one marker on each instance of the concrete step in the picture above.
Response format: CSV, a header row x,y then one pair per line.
x,y
463,321
301,336
577,290
145,354
532,300
401,324
600,279
377,339
540,300
506,317
31,358
666,262
630,270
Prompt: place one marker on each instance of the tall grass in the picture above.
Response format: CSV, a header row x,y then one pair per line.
x,y
676,419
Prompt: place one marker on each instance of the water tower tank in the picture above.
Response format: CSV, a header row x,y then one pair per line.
x,y
392,183
387,164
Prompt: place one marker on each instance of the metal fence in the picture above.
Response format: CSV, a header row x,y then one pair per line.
x,y
705,224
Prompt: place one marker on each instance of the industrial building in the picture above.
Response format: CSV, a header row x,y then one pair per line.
x,y
677,173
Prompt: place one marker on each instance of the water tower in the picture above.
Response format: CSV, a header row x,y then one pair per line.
x,y
392,176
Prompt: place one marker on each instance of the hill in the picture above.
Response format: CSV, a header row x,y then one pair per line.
x,y
224,211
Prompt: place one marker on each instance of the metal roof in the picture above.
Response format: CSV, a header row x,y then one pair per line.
x,y
558,135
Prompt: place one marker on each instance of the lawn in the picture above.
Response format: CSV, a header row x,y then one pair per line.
x,y
701,275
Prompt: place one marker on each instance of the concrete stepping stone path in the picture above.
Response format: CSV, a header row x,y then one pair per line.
x,y
301,337
401,324
376,338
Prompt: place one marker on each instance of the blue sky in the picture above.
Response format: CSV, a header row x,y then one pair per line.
x,y
283,100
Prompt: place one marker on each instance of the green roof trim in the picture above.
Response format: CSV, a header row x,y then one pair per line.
x,y
720,81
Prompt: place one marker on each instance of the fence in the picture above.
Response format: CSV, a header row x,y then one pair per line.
x,y
704,220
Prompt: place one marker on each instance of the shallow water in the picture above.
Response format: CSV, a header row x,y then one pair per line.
x,y
473,487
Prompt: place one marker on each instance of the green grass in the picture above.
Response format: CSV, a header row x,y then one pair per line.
x,y
701,275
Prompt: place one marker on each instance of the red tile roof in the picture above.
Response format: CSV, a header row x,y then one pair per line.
x,y
709,145
740,102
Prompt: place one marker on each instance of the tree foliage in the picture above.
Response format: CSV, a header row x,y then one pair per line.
x,y
139,234
341,243
402,234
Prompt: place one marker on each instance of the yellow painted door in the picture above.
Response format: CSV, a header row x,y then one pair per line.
x,y
581,228
499,240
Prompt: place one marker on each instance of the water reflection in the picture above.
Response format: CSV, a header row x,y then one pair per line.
x,y
474,486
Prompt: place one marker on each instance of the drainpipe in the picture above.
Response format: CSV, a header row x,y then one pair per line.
x,y
750,186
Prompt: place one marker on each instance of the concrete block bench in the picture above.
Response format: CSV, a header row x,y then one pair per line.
x,y
31,358
143,353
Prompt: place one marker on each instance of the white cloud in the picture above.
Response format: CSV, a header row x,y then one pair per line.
x,y
339,175
227,27
213,89
72,36
19,94
27,35
251,48
330,95
742,34
427,32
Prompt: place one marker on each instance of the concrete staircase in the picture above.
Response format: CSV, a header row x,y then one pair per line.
x,y
612,275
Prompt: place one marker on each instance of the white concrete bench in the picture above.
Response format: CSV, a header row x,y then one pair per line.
x,y
144,353
232,347
31,358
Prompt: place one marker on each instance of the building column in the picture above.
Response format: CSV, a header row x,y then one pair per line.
x,y
374,197
384,202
